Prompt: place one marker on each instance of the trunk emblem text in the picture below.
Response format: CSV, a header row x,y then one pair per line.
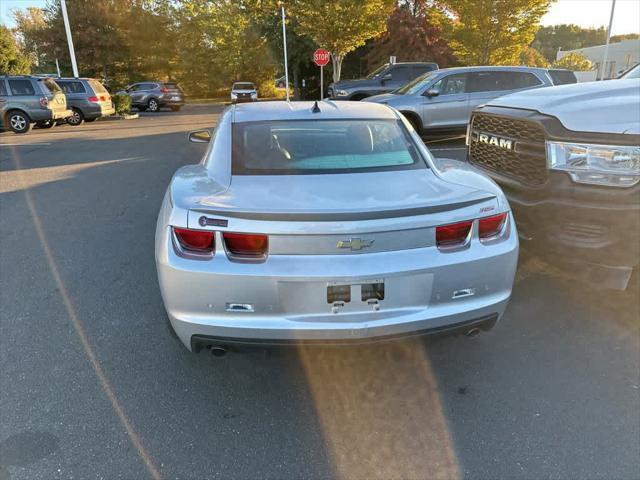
x,y
355,243
494,140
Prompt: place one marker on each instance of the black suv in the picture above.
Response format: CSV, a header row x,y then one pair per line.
x,y
384,79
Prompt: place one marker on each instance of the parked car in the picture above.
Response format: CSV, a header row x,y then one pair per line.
x,y
153,96
568,158
442,101
384,79
243,92
28,100
282,234
87,98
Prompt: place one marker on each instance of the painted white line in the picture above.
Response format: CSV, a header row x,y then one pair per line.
x,y
23,144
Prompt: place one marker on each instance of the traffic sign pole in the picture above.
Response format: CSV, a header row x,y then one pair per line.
x,y
321,80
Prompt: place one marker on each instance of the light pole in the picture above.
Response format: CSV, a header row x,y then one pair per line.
x,y
72,52
284,42
606,47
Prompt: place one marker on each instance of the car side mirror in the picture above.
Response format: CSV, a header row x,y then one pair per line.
x,y
200,136
432,92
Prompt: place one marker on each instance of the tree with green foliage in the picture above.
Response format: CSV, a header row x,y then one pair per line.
x,y
533,58
32,28
416,31
574,61
494,32
548,40
341,26
12,60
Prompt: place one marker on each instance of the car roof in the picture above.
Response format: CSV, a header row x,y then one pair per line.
x,y
495,68
414,63
281,110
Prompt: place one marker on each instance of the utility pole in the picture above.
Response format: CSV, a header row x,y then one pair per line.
x,y
72,52
606,47
284,42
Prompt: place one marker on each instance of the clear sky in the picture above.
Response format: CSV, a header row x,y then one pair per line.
x,y
586,13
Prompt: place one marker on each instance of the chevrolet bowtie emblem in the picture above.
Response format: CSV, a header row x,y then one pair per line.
x,y
355,243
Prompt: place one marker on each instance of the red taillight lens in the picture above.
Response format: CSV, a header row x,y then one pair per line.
x,y
93,99
164,90
246,244
453,235
491,226
44,101
195,240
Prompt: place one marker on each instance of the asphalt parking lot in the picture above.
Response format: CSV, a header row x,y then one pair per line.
x,y
92,385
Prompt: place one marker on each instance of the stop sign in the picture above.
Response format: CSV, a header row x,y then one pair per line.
x,y
321,57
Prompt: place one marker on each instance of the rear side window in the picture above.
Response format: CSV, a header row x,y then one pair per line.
x,y
401,73
562,77
516,80
484,82
97,86
3,88
322,146
148,86
21,87
172,85
72,87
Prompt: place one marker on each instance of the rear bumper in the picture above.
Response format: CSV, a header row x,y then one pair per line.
x,y
287,295
170,102
97,111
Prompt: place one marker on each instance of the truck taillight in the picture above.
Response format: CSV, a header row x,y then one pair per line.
x,y
44,101
453,235
246,245
489,227
197,241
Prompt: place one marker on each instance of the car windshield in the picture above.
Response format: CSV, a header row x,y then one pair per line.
x,y
377,71
322,146
416,84
243,86
634,72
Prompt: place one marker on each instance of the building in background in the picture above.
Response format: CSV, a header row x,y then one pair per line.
x,y
621,56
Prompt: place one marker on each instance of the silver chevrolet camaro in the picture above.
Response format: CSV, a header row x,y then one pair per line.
x,y
329,223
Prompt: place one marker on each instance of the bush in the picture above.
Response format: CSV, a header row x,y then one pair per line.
x,y
574,61
122,104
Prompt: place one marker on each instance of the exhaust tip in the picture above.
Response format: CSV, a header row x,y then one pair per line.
x,y
218,351
472,332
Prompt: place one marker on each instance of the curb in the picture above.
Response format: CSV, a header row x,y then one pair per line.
x,y
131,116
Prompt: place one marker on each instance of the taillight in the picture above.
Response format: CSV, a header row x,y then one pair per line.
x,y
198,241
102,98
453,235
93,99
246,245
164,90
489,227
44,101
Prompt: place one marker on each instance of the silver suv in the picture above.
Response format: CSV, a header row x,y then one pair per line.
x,y
153,96
87,98
27,100
441,101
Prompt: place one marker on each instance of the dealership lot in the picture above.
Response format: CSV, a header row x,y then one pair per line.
x,y
94,386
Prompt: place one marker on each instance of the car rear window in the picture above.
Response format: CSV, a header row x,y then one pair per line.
x,y
21,87
97,86
71,87
322,146
562,77
243,86
172,85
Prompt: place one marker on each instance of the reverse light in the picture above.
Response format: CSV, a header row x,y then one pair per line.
x,y
453,235
610,165
490,227
197,241
246,245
